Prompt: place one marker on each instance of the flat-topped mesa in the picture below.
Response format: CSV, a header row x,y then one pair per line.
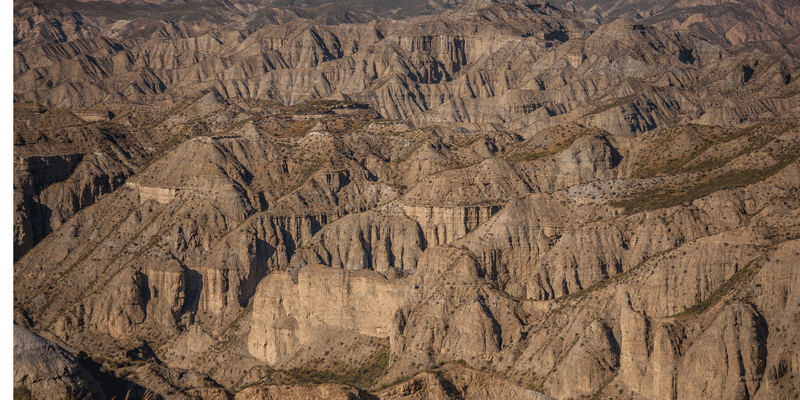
x,y
324,301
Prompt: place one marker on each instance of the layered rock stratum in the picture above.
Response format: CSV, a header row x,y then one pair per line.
x,y
494,200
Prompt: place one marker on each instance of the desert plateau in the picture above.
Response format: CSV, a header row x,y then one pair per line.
x,y
451,199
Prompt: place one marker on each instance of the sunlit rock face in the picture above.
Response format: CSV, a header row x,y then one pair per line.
x,y
492,200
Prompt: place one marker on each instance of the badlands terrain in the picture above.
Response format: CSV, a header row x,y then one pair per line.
x,y
396,200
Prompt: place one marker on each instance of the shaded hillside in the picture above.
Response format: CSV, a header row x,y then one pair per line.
x,y
497,201
455,68
477,247
766,24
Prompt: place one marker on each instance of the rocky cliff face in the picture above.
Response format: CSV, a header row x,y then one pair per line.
x,y
62,166
534,268
330,299
454,68
503,200
769,24
44,369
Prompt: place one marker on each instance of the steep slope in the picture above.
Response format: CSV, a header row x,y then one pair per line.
x,y
502,200
452,68
63,164
43,369
765,24
467,258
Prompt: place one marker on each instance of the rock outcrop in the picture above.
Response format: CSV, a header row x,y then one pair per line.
x,y
44,370
323,302
451,69
506,199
